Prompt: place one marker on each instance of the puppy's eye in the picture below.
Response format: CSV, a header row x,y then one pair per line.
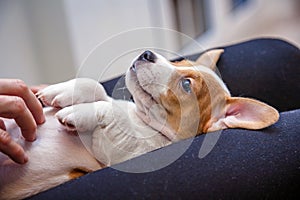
x,y
186,85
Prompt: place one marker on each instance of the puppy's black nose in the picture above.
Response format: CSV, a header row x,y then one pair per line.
x,y
148,56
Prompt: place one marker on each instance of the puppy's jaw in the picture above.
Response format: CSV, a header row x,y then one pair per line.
x,y
146,81
152,77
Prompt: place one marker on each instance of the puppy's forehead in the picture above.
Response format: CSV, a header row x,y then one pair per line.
x,y
187,68
183,63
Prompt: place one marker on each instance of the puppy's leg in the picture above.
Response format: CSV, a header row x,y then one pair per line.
x,y
75,91
84,117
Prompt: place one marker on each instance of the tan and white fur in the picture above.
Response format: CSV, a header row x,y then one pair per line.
x,y
173,101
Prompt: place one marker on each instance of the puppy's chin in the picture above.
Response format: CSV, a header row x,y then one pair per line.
x,y
140,96
131,80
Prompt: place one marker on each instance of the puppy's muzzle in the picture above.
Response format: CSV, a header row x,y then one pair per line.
x,y
147,56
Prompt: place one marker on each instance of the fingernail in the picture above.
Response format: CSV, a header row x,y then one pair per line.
x,y
41,119
25,159
31,138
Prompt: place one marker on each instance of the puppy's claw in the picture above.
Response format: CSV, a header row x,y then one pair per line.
x,y
69,126
55,103
44,100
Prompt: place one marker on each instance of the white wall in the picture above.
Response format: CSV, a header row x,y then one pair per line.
x,y
34,43
17,57
114,28
47,22
49,40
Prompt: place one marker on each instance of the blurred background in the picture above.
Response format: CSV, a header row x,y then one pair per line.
x,y
46,41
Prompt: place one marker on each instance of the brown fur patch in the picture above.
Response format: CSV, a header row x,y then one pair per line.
x,y
188,114
183,63
77,172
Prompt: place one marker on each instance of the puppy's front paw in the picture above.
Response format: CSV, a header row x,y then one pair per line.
x,y
67,118
81,117
58,95
76,91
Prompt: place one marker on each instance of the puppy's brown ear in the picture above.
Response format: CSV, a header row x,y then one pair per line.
x,y
210,58
245,113
249,113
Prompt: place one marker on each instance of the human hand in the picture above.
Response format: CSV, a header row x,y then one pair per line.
x,y
18,102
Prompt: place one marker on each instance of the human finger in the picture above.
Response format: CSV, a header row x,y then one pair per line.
x,y
14,107
11,148
15,87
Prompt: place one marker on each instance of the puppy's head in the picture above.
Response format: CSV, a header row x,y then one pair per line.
x,y
182,99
